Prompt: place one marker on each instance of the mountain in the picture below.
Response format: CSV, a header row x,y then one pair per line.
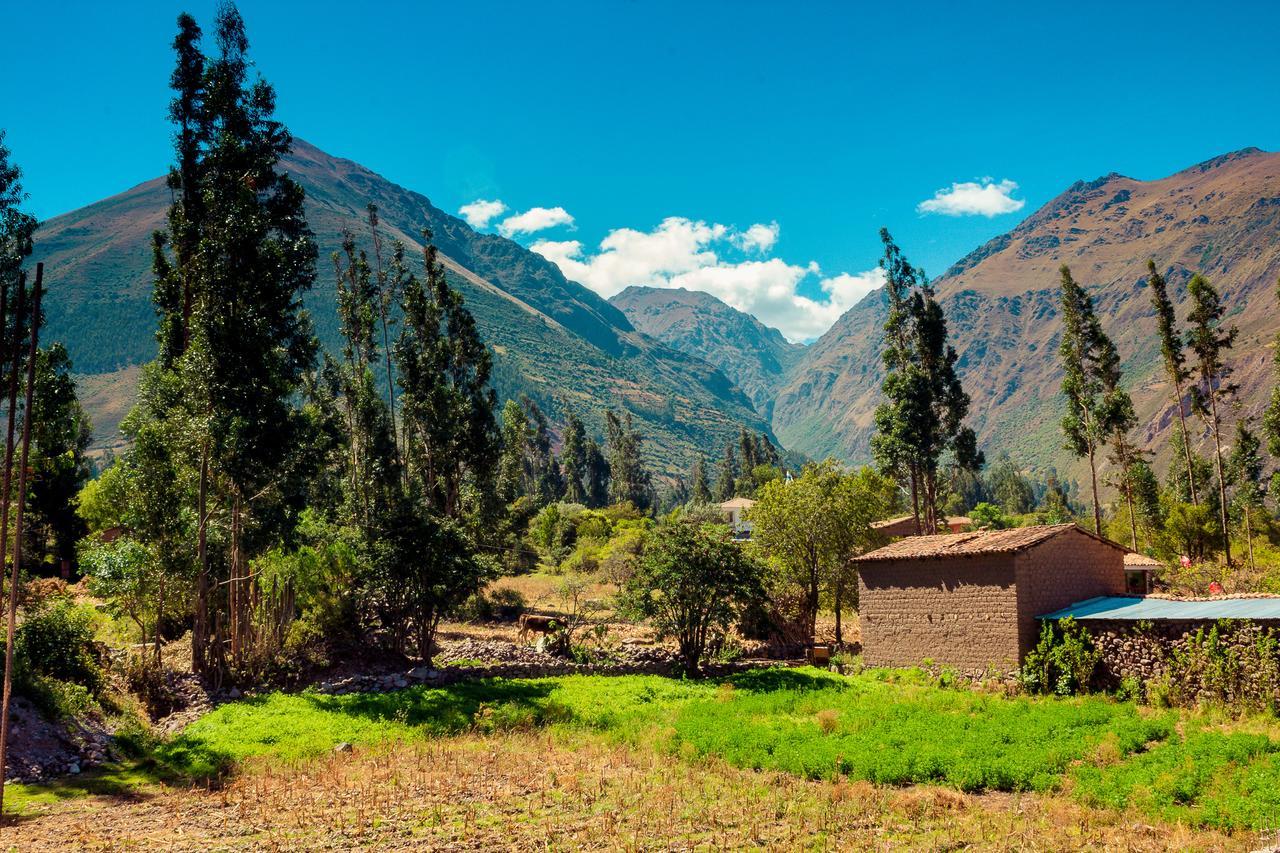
x,y
755,356
1220,218
552,339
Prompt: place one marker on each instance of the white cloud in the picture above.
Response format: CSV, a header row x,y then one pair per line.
x,y
974,198
480,212
683,253
535,219
758,238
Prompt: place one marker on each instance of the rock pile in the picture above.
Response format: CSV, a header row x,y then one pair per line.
x,y
474,659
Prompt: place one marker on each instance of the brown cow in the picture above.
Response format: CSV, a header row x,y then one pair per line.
x,y
533,623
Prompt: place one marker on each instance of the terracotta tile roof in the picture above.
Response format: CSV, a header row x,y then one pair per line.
x,y
1134,560
970,544
738,503
890,522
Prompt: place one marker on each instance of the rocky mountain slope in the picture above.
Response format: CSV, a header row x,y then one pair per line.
x,y
553,339
754,356
1220,218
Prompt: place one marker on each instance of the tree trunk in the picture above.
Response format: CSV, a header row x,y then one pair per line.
x,y
1133,517
915,498
200,624
159,618
1248,532
1093,477
839,590
1222,484
1186,446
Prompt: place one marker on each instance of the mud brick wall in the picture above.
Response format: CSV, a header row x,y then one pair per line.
x,y
958,611
1068,568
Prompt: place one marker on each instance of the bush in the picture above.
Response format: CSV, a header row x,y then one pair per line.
x,y
56,641
1063,662
1233,664
692,582
499,605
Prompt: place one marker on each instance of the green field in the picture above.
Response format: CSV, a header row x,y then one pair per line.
x,y
889,728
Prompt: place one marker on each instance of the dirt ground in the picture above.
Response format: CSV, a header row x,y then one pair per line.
x,y
533,790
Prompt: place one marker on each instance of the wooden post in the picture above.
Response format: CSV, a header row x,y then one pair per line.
x,y
22,493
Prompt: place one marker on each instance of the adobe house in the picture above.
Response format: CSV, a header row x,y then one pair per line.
x,y
1139,570
905,525
970,600
734,512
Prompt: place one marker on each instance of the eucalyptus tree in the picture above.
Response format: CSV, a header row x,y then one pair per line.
x,y
1210,341
1084,424
1175,362
1246,466
921,423
234,340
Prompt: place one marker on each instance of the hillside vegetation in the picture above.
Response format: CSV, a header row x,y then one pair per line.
x,y
553,339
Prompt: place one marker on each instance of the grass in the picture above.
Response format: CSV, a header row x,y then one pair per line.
x,y
889,729
563,789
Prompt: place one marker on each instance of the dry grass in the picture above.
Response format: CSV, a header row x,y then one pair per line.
x,y
527,790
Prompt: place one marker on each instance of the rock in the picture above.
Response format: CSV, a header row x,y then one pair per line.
x,y
234,693
342,747
73,769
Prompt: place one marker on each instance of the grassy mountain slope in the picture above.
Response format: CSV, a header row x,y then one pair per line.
x,y
1221,217
553,339
753,355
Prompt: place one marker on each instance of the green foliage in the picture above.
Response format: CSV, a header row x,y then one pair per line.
x,y
921,422
692,583
1233,664
498,605
808,528
989,515
1063,661
60,435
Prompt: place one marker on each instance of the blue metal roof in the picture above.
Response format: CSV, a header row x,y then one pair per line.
x,y
1132,608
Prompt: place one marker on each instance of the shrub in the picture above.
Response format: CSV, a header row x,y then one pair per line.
x,y
500,605
1233,664
56,641
1063,662
692,582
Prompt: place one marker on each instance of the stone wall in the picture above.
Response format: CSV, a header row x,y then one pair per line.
x,y
1071,567
1144,653
959,611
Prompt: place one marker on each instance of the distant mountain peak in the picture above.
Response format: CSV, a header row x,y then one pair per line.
x,y
1219,217
754,356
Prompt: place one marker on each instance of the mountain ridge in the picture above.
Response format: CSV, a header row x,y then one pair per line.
x,y
753,355
1220,217
552,338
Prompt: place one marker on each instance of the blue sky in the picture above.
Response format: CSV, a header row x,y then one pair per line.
x,y
824,120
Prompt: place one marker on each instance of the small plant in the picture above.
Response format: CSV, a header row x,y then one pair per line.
x,y
1063,662
827,719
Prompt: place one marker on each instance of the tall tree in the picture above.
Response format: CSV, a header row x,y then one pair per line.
x,y
597,480
447,403
60,435
16,227
235,343
629,480
573,460
700,491
727,476
1175,363
921,424
1084,424
1118,417
1246,468
1210,341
